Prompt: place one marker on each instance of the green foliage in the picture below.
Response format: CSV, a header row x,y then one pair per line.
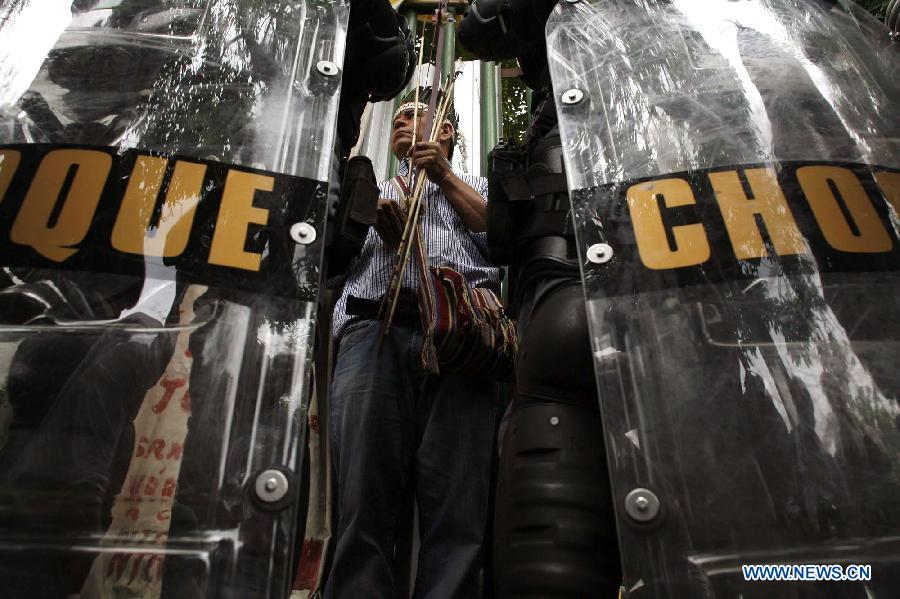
x,y
514,105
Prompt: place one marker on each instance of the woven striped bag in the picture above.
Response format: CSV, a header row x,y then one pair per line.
x,y
465,329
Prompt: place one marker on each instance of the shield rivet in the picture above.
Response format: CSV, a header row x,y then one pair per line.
x,y
303,233
642,505
327,68
599,253
573,96
554,421
271,486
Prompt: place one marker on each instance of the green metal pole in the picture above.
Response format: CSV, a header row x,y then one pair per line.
x,y
449,59
490,109
411,20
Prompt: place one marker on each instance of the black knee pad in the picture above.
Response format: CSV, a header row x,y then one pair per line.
x,y
555,533
555,362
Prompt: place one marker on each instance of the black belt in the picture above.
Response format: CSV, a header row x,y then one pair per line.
x,y
405,314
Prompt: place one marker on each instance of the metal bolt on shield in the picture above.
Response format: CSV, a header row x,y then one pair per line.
x,y
599,253
271,486
327,68
303,233
572,97
642,505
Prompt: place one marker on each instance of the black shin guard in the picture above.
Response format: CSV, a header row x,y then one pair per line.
x,y
555,533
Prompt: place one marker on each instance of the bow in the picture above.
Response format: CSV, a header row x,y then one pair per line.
x,y
433,119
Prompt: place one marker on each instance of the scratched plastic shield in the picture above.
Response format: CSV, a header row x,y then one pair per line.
x,y
163,175
733,169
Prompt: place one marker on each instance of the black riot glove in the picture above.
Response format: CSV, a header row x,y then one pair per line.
x,y
380,50
379,62
504,29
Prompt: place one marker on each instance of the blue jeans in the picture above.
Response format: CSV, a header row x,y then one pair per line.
x,y
395,430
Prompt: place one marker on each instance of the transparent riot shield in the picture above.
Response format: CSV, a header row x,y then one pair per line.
x,y
734,176
163,181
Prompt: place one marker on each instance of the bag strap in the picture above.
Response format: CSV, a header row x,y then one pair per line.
x,y
426,284
418,237
425,281
400,183
427,290
427,303
402,188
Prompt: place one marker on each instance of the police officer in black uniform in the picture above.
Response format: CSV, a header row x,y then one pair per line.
x,y
555,530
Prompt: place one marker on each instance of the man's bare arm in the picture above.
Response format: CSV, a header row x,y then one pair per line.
x,y
467,202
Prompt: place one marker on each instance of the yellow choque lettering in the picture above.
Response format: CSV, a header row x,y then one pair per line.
x,y
739,211
871,237
236,213
32,225
132,232
692,246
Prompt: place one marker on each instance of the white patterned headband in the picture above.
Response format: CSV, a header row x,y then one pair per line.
x,y
411,106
